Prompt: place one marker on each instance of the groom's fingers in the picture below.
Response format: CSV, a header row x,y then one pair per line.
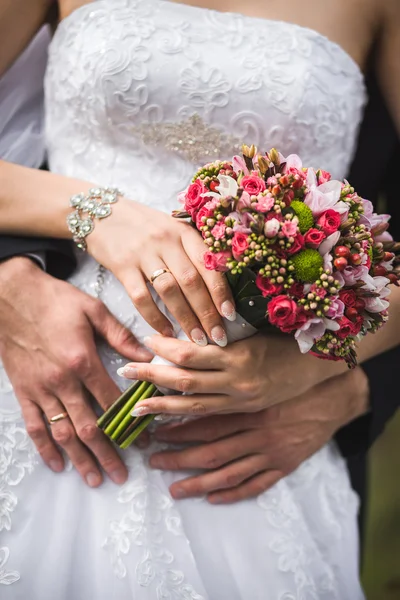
x,y
230,476
39,433
206,429
249,489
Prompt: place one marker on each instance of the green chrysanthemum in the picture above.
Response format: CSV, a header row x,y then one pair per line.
x,y
304,214
307,265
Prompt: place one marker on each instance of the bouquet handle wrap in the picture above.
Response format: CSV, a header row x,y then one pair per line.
x,y
236,330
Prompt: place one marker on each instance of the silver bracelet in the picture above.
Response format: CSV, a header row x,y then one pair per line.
x,y
96,204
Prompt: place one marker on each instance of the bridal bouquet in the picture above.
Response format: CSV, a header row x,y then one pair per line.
x,y
304,255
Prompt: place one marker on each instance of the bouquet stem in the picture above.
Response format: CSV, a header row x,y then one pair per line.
x,y
118,423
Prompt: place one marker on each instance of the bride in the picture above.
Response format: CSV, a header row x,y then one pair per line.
x,y
139,92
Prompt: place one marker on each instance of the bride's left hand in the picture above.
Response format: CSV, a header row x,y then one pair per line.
x,y
246,376
242,455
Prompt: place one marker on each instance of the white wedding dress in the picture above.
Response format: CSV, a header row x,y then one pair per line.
x,y
138,92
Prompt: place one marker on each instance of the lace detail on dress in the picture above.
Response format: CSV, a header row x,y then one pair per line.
x,y
17,458
150,516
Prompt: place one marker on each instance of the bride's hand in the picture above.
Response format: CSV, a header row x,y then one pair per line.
x,y
135,242
246,376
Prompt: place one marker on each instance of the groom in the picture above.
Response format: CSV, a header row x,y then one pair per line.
x,y
290,434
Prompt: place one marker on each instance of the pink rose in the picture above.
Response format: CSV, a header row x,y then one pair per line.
x,y
210,261
206,211
264,204
329,221
194,199
221,260
266,287
289,228
253,184
297,245
314,237
239,244
218,231
271,228
323,176
284,313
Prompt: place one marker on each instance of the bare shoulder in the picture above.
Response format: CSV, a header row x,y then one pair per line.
x,y
68,6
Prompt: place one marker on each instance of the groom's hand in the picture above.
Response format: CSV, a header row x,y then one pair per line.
x,y
243,455
47,346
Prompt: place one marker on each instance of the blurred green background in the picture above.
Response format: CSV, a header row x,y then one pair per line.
x,y
381,572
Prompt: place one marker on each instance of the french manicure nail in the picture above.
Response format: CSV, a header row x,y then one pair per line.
x,y
129,372
140,411
198,336
56,466
118,476
219,336
147,340
92,479
228,310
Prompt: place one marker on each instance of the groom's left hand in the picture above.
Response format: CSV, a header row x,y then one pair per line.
x,y
242,455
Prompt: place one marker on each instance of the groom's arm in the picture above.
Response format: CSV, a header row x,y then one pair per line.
x,y
59,256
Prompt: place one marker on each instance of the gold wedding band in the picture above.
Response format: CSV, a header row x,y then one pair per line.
x,y
158,273
57,418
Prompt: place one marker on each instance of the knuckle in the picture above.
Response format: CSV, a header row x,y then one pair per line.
x,y
218,286
87,433
197,409
56,378
211,460
109,462
63,435
35,430
139,296
210,314
79,362
185,384
167,285
184,355
191,279
232,479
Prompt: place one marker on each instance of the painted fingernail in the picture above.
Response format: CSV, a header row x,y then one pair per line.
x,y
219,336
140,411
147,340
118,476
198,336
179,493
93,480
129,372
228,310
56,466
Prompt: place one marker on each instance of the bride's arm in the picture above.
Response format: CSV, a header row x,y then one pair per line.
x,y
133,243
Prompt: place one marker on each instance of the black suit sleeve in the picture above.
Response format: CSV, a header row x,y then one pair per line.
x,y
60,259
377,132
382,371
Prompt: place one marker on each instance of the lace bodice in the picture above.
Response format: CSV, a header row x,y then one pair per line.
x,y
151,87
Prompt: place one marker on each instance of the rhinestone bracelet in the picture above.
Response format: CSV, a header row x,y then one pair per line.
x,y
96,204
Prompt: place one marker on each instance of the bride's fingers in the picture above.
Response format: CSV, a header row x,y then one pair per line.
x,y
38,431
64,435
193,405
249,489
134,283
169,290
196,294
188,355
173,378
225,478
215,281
